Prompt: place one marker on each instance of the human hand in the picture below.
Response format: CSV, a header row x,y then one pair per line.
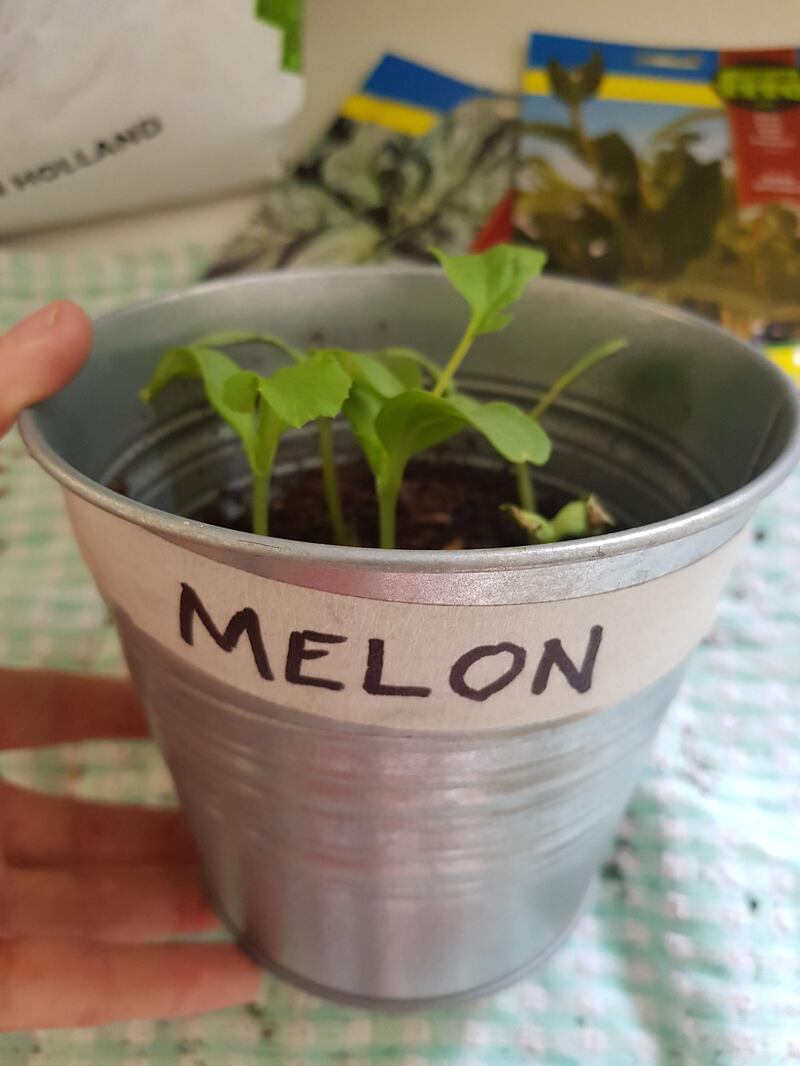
x,y
39,355
90,895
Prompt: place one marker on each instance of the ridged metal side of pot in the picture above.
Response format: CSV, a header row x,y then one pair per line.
x,y
381,867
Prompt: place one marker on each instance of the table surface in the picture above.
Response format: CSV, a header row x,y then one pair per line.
x,y
690,953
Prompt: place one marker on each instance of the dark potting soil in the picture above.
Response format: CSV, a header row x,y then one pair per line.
x,y
442,506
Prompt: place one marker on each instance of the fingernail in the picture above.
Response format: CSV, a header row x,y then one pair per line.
x,y
36,325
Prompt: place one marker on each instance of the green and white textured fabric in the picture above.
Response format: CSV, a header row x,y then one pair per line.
x,y
691,952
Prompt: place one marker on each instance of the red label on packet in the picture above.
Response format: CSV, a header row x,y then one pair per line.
x,y
761,91
499,227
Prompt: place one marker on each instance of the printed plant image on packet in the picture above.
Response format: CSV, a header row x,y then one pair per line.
x,y
671,172
414,159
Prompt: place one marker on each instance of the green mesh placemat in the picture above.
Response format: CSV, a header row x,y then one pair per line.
x,y
691,953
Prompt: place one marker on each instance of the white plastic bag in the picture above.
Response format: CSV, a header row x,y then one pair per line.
x,y
107,107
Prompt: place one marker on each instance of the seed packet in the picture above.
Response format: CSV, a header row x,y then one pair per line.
x,y
414,159
673,172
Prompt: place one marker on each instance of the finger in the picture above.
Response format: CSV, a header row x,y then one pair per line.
x,y
113,903
38,830
63,984
39,355
50,707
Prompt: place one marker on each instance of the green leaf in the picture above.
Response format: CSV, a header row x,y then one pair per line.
x,y
392,430
508,429
388,371
425,362
231,337
214,369
407,365
315,388
241,391
492,281
415,421
361,410
467,405
366,370
376,377
286,15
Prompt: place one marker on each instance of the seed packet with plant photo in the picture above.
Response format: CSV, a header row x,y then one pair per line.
x,y
414,159
672,172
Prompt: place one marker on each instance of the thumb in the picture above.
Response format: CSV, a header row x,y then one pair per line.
x,y
39,355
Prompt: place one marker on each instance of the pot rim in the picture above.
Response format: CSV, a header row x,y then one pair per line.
x,y
606,545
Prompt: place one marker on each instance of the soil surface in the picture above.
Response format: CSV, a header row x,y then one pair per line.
x,y
442,506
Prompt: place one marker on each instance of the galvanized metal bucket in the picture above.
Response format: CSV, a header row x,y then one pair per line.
x,y
403,768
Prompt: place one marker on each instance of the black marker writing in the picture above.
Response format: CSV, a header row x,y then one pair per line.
x,y
373,679
554,655
298,653
458,681
244,621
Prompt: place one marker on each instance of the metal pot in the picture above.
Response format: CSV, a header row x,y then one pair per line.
x,y
403,768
